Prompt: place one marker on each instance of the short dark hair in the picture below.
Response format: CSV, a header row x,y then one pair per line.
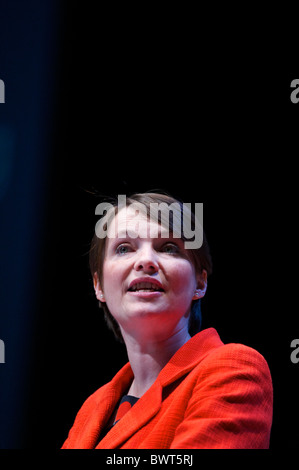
x,y
200,257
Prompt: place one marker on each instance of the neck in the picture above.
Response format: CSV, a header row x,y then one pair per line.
x,y
148,359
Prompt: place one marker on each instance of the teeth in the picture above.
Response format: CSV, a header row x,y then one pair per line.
x,y
145,286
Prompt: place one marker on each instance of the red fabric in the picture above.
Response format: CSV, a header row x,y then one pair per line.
x,y
209,395
122,410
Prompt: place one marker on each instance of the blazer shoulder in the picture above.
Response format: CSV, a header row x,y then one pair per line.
x,y
91,402
238,356
107,391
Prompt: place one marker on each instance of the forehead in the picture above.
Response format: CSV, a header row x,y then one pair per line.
x,y
129,222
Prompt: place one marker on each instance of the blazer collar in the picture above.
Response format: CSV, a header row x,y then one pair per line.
x,y
189,355
184,360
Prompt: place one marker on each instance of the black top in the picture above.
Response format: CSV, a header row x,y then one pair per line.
x,y
123,407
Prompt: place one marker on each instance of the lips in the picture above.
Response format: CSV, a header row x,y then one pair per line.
x,y
145,285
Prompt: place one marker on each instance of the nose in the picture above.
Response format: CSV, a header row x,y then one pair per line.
x,y
146,260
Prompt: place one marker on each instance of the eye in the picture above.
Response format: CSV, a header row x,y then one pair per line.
x,y
123,249
170,248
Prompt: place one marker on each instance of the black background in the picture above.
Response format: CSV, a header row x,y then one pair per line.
x,y
143,106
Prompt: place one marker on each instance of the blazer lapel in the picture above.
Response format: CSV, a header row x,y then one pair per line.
x,y
134,419
103,405
184,360
189,355
96,421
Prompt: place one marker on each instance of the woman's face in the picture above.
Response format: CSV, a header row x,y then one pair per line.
x,y
148,283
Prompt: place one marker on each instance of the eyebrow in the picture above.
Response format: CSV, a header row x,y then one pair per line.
x,y
123,234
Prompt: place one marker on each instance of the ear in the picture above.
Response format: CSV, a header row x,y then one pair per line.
x,y
202,284
97,288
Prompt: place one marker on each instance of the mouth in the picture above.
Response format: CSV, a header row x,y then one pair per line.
x,y
145,287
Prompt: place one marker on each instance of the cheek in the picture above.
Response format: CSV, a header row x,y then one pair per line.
x,y
110,278
111,283
183,278
113,278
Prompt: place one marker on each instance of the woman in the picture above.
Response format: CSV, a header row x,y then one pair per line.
x,y
182,388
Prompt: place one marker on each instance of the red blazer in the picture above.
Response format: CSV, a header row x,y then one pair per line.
x,y
209,395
